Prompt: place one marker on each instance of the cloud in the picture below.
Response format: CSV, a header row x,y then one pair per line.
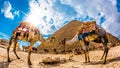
x,y
104,11
7,10
67,10
51,15
4,36
16,13
47,15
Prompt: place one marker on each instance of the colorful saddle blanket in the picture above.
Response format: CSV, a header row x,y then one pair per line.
x,y
80,37
90,28
26,27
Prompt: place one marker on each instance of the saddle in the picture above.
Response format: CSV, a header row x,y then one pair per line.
x,y
25,28
90,28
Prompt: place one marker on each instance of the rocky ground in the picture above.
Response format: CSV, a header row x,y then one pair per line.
x,y
113,60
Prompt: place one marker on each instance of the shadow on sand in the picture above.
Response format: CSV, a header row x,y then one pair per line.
x,y
49,65
54,64
30,66
107,62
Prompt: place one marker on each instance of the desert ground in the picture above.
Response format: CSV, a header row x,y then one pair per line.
x,y
113,60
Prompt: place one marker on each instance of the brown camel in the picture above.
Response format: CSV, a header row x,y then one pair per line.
x,y
90,32
25,32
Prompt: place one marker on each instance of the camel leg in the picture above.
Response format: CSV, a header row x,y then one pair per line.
x,y
8,48
85,53
103,54
85,56
14,49
105,41
106,53
29,53
88,55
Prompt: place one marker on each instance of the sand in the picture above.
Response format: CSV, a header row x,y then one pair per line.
x,y
113,60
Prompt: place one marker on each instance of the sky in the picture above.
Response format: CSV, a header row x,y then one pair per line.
x,y
50,15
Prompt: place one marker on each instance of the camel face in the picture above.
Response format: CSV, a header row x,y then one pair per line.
x,y
49,42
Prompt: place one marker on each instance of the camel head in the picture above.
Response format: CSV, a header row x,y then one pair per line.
x,y
48,42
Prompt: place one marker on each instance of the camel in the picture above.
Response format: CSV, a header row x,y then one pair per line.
x,y
93,33
26,32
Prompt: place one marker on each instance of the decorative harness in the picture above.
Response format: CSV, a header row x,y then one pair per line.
x,y
90,28
25,28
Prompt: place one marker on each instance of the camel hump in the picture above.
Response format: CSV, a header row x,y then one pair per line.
x,y
89,26
26,27
23,23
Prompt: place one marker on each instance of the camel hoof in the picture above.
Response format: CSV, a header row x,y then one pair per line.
x,y
9,60
101,58
88,61
104,62
84,62
18,58
29,63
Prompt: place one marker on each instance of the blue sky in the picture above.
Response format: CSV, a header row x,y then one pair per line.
x,y
50,15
